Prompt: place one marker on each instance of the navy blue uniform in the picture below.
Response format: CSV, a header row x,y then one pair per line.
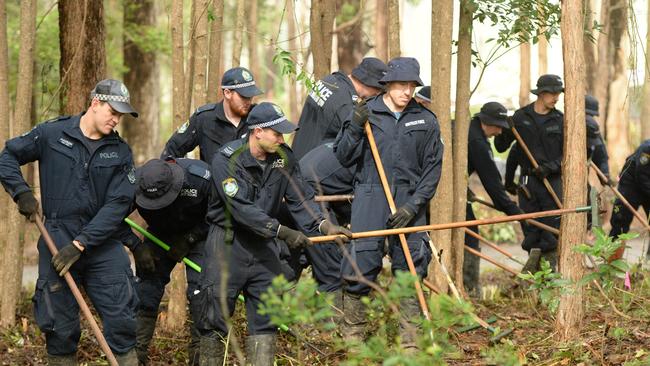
x,y
411,152
242,213
324,112
208,128
85,197
634,185
543,135
596,148
327,176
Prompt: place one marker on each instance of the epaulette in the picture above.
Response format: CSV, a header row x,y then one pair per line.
x,y
57,119
206,107
199,171
230,148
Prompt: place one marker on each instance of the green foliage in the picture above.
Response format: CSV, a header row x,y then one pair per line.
x,y
602,249
548,284
288,67
504,354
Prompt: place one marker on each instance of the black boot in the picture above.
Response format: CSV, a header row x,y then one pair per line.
x,y
64,360
211,350
193,346
146,325
532,264
354,318
471,274
260,350
408,326
551,257
129,358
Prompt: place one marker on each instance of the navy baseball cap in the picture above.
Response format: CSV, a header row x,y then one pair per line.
x,y
116,94
241,80
548,83
495,114
424,93
369,71
158,184
269,115
402,69
591,105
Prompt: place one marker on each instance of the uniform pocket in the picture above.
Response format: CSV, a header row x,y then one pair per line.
x,y
43,310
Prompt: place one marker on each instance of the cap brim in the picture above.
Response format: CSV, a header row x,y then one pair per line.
x,y
284,127
591,112
249,91
548,89
167,198
123,108
489,120
386,80
426,99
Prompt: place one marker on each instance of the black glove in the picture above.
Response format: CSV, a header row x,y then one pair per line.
x,y
144,261
400,218
65,258
360,115
511,188
27,204
180,245
327,228
542,172
294,239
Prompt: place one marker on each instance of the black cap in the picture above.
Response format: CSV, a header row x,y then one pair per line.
x,y
548,83
369,71
402,69
269,115
241,80
495,114
591,105
159,183
116,94
424,93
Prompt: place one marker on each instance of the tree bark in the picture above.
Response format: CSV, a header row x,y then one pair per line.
x,y
574,171
524,74
142,79
590,48
542,51
381,30
179,106
200,80
176,310
393,29
13,253
321,21
645,114
601,90
83,54
294,107
237,33
349,38
215,60
5,200
441,207
461,131
253,61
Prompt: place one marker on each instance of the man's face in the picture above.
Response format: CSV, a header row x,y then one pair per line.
x,y
491,130
238,104
268,139
549,99
400,92
105,118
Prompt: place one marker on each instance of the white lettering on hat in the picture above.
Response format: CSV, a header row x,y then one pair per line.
x,y
412,123
152,189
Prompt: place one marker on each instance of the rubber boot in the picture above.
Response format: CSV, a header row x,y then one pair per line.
x,y
65,360
354,318
145,326
532,264
260,350
408,325
471,274
129,358
211,351
194,346
551,257
337,306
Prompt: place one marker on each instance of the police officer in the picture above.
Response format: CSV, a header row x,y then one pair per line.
x,y
541,128
87,184
332,102
214,124
634,185
408,139
251,177
596,148
423,96
489,122
172,197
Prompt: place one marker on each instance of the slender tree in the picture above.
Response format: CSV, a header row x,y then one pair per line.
x,y
321,21
381,30
542,50
393,29
589,47
524,74
349,35
200,80
215,59
179,107
645,115
5,200
238,32
253,62
294,107
601,90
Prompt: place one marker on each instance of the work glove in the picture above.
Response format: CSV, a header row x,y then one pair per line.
x,y
65,258
180,245
360,115
27,204
470,196
606,181
294,239
511,188
327,228
400,218
144,261
541,172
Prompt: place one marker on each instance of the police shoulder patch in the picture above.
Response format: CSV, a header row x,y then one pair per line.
x,y
230,186
644,158
184,127
131,175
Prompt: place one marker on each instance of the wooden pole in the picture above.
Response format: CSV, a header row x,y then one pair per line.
x,y
334,198
492,245
393,209
529,221
483,256
77,294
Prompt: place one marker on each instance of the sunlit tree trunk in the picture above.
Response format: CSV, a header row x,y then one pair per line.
x,y
321,21
601,84
381,30
645,114
216,51
393,29
590,48
5,200
200,80
238,32
524,74
179,106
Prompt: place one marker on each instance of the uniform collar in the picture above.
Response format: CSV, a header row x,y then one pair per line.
x,y
73,130
344,79
376,104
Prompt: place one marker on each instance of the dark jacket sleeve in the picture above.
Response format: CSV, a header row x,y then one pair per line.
x,y
117,205
601,158
431,170
349,144
504,140
127,236
299,197
184,140
480,158
19,151
511,166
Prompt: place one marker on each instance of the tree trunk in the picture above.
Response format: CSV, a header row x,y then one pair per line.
x,y
215,64
393,29
13,253
461,131
176,310
189,65
542,50
179,106
142,79
5,200
381,30
83,54
617,106
590,48
294,107
253,61
321,21
199,81
574,171
349,37
601,86
645,114
441,207
238,32
524,74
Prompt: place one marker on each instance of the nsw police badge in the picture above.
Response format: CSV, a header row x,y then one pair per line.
x,y
230,187
644,158
184,127
131,175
